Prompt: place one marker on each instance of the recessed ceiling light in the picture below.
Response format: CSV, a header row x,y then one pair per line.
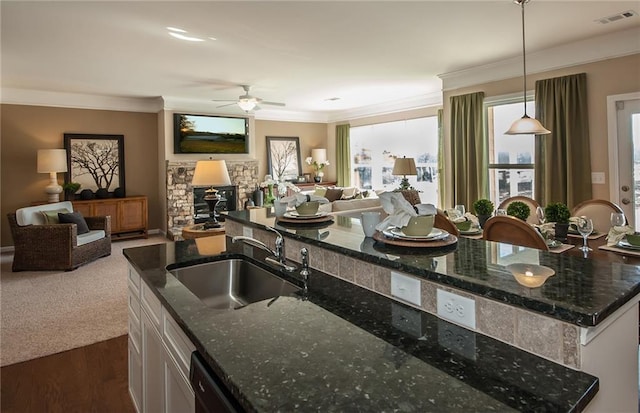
x,y
187,38
176,30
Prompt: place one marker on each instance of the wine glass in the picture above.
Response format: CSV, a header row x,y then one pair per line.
x,y
585,228
540,214
617,219
501,211
461,210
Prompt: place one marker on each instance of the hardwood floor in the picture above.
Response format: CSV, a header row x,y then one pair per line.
x,y
87,379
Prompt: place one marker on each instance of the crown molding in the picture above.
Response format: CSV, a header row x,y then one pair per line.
x,y
399,105
15,96
618,44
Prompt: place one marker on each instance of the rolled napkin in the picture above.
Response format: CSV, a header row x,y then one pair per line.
x,y
617,234
453,214
297,199
400,211
467,217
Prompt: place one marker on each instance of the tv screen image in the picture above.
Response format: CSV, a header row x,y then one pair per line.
x,y
210,134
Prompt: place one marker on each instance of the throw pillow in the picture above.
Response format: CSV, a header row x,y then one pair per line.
x,y
75,218
349,193
320,191
51,217
333,194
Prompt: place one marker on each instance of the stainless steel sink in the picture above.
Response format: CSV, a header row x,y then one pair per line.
x,y
232,283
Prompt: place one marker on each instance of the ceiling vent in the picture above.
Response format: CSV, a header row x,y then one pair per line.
x,y
617,17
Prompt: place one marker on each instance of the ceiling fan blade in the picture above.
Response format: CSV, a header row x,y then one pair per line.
x,y
264,102
228,104
223,100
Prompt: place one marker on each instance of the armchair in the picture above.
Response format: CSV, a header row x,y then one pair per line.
x,y
45,247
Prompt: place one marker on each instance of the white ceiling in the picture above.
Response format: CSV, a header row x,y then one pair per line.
x,y
302,53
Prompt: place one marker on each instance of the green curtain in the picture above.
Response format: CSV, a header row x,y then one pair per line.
x,y
563,162
343,156
469,148
441,180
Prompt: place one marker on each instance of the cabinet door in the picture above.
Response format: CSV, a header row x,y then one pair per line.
x,y
133,214
152,367
178,394
84,209
108,208
135,376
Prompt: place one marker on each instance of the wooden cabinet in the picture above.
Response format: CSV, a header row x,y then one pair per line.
x,y
128,215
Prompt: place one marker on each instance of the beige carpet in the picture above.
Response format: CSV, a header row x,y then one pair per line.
x,y
46,312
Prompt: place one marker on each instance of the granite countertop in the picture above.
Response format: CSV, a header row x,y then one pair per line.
x,y
583,291
339,347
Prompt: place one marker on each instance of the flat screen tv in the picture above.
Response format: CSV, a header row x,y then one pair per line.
x,y
210,134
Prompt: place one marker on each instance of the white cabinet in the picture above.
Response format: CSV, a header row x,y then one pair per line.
x,y
159,354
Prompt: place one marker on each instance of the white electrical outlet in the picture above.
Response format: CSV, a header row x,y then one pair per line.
x,y
247,231
457,309
405,288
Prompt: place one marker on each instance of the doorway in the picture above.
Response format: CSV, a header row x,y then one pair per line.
x,y
623,113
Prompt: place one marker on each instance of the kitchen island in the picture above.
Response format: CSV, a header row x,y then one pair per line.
x,y
339,347
584,317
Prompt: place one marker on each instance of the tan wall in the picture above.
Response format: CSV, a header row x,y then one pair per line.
x,y
25,129
604,78
312,135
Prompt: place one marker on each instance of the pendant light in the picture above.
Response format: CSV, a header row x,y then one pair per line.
x,y
525,125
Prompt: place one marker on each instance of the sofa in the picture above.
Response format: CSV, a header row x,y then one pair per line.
x,y
43,243
342,200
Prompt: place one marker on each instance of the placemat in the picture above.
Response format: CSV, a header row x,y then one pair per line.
x,y
625,251
592,236
449,240
561,248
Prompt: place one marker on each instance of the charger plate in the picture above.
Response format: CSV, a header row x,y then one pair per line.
x,y
324,218
449,240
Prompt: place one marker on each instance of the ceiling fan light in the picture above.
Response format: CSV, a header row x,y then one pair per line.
x,y
527,126
247,104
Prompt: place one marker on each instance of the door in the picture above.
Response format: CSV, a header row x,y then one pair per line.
x,y
627,191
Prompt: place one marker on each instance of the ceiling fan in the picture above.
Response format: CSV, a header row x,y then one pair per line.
x,y
247,102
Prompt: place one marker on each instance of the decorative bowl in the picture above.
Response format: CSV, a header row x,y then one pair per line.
x,y
308,208
419,226
464,225
634,239
530,275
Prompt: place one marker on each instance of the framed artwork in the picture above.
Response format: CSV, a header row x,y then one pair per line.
x,y
283,158
95,161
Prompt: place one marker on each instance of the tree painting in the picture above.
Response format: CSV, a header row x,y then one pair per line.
x,y
284,158
95,161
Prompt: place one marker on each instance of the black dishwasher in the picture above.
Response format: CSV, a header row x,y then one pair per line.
x,y
211,394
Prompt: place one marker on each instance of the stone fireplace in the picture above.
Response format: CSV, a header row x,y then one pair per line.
x,y
180,209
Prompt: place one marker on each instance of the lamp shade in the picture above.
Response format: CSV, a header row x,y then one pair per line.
x,y
319,155
527,126
211,173
52,160
404,166
247,104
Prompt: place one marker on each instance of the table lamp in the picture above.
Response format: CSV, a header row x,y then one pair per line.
x,y
404,166
211,173
52,161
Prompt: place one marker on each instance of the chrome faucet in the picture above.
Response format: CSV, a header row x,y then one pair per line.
x,y
279,257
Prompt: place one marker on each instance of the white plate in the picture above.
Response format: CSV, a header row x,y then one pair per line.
x,y
295,215
436,234
474,231
623,243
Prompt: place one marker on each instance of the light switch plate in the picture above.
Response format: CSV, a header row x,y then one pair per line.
x,y
456,308
405,288
597,177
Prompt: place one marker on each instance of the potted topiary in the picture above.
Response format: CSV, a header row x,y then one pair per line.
x,y
70,189
483,209
519,209
559,213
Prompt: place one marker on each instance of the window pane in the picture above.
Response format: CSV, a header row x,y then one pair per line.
x,y
516,150
374,149
506,183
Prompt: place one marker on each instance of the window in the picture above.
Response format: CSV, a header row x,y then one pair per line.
x,y
511,157
374,149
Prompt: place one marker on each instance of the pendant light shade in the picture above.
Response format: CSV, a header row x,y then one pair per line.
x,y
525,125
